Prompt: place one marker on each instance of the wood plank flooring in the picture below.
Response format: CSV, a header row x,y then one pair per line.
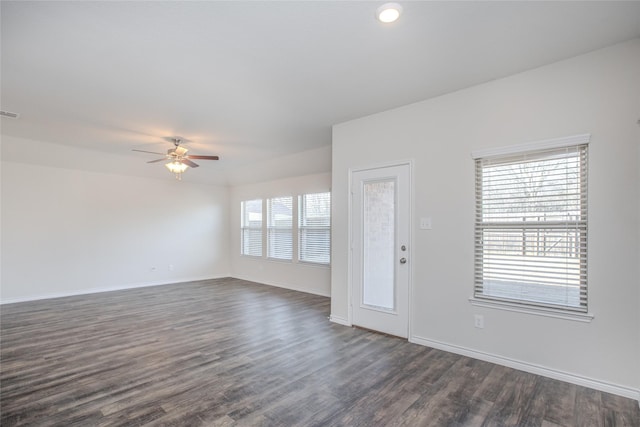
x,y
228,352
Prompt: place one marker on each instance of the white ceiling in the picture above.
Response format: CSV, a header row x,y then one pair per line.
x,y
251,80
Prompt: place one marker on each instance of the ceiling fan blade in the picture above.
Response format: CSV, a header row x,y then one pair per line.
x,y
189,163
150,152
193,156
158,160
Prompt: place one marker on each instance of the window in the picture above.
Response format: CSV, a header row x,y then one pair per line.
x,y
314,228
251,227
308,240
280,228
531,226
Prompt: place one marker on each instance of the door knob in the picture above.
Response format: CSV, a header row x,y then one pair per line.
x,y
403,260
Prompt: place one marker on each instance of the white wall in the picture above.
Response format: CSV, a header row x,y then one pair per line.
x,y
310,278
68,231
310,162
597,93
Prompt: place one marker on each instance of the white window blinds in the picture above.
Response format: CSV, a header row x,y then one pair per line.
x,y
531,228
251,232
314,228
280,228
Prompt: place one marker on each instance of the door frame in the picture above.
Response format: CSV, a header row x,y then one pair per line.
x,y
350,281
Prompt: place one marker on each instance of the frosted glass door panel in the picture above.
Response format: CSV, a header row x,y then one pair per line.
x,y
378,288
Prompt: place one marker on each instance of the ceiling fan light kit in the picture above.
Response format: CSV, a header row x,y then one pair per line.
x,y
178,159
177,168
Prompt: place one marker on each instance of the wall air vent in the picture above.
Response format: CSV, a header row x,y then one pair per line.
x,y
9,114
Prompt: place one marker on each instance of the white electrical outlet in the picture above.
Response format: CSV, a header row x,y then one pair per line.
x,y
425,223
478,321
154,268
171,267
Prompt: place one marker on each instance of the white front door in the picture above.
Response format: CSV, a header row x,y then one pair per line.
x,y
380,249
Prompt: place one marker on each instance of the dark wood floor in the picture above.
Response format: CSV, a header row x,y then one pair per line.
x,y
232,353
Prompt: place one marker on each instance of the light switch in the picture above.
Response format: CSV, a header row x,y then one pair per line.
x,y
425,223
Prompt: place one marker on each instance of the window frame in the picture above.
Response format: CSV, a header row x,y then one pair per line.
x,y
276,229
580,312
244,227
303,227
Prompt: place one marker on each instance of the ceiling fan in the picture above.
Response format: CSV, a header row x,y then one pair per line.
x,y
178,159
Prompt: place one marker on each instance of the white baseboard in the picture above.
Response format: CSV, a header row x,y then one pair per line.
x,y
339,320
607,387
105,289
280,285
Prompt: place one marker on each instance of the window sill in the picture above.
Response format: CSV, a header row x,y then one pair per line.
x,y
280,260
314,264
538,311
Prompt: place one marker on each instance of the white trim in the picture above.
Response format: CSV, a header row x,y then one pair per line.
x,y
546,144
339,320
380,166
106,289
412,252
529,309
283,286
605,386
349,320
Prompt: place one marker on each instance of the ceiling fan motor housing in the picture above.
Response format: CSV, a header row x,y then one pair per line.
x,y
178,151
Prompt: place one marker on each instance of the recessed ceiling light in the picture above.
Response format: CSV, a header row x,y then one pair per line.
x,y
389,12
